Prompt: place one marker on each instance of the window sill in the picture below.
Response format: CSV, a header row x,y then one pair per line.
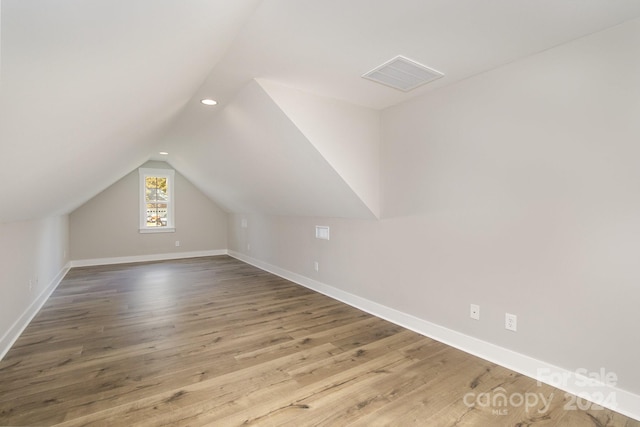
x,y
158,230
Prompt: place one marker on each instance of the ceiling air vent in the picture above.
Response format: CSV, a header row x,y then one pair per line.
x,y
403,74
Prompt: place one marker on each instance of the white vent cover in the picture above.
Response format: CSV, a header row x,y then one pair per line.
x,y
403,74
322,232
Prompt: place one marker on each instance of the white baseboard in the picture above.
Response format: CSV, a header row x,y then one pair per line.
x,y
14,332
146,258
624,402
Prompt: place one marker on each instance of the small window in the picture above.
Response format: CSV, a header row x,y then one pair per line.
x,y
156,200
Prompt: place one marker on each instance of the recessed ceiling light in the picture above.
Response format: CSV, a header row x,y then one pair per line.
x,y
209,101
164,153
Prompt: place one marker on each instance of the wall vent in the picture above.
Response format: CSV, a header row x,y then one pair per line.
x,y
322,232
403,74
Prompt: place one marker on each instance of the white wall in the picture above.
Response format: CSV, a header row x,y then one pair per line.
x,y
251,157
33,251
347,136
107,226
517,190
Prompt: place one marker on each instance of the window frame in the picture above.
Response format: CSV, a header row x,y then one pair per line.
x,y
169,174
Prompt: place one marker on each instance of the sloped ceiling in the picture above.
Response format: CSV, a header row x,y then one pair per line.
x,y
91,89
89,86
347,136
253,159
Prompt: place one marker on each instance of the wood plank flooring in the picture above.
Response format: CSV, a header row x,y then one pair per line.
x,y
213,341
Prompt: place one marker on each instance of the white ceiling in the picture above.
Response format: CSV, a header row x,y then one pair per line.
x,y
90,90
251,158
325,46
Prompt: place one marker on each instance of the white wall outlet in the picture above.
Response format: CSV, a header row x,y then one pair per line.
x,y
177,243
316,265
248,246
243,223
511,322
474,311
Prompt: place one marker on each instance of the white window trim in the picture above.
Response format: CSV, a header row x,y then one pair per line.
x,y
162,173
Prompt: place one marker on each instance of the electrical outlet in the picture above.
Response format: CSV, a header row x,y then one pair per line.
x,y
316,265
248,246
177,243
474,312
511,322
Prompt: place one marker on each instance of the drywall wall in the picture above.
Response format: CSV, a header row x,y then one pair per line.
x,y
33,258
250,157
516,190
347,136
107,225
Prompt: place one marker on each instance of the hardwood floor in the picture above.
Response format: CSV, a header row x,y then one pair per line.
x,y
213,341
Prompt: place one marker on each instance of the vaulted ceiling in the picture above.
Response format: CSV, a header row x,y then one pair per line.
x,y
91,90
